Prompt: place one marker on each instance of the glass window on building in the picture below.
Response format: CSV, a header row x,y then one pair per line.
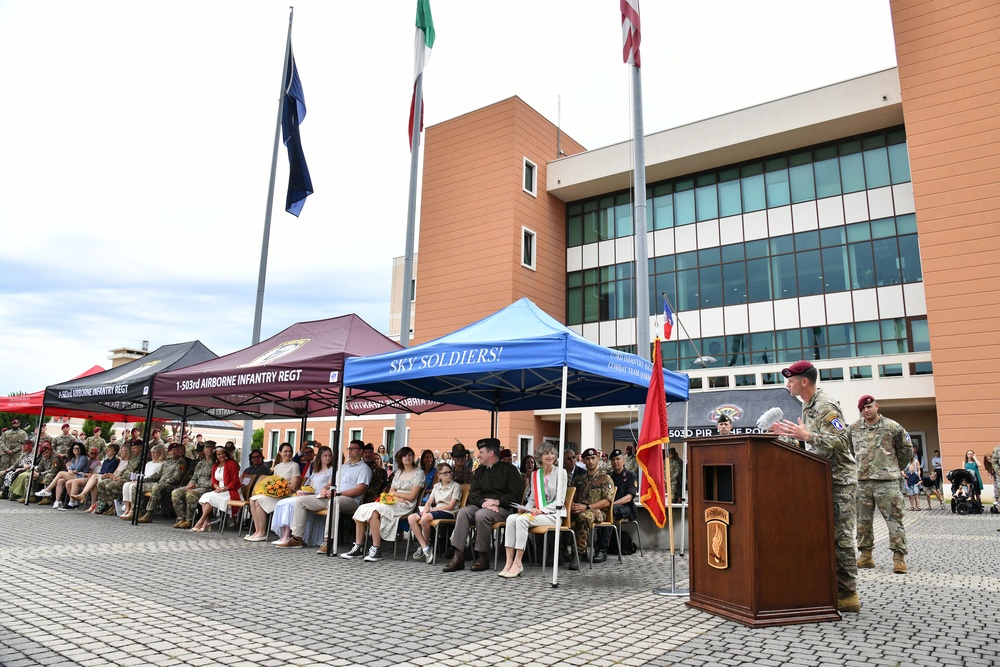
x,y
852,170
800,177
776,182
754,197
730,201
827,171
663,211
684,208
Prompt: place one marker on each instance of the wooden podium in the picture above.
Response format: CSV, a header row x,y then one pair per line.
x,y
761,531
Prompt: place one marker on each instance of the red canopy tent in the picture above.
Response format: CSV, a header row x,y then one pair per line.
x,y
31,404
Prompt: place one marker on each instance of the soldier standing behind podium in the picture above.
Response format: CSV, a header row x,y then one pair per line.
x,y
883,449
823,430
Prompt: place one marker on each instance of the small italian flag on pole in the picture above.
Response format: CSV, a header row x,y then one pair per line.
x,y
422,45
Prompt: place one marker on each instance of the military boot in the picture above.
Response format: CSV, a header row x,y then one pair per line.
x,y
848,603
898,564
866,560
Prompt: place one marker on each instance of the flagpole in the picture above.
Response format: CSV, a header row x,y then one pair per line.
x,y
639,226
258,311
411,224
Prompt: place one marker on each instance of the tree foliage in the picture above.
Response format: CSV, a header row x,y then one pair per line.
x,y
258,439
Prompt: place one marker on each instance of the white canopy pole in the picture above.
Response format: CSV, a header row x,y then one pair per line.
x,y
559,461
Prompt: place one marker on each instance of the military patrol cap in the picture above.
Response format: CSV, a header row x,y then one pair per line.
x,y
724,417
798,368
590,451
615,453
867,399
489,443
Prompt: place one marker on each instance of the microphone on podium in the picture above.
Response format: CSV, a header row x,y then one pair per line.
x,y
769,419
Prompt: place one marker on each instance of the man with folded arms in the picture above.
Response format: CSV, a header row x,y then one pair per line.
x,y
352,482
495,486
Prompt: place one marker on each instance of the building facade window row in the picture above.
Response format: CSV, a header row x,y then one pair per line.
x,y
861,255
852,165
899,335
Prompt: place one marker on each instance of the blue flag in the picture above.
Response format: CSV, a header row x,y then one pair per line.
x,y
293,112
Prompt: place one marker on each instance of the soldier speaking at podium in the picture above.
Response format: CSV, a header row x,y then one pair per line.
x,y
823,430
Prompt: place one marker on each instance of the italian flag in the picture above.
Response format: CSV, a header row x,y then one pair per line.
x,y
422,45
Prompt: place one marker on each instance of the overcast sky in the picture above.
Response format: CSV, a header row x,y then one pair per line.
x,y
137,138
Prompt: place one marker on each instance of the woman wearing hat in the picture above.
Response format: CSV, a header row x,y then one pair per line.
x,y
546,493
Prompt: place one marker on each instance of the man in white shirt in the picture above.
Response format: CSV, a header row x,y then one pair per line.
x,y
352,481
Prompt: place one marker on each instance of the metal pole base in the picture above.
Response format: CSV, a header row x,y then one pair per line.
x,y
673,591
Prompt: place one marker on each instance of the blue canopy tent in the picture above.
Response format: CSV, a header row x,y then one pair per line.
x,y
519,358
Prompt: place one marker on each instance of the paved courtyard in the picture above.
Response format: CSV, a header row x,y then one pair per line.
x,y
85,590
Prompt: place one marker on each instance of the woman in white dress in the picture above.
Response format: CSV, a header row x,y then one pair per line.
x,y
156,457
261,505
319,479
225,487
407,483
546,492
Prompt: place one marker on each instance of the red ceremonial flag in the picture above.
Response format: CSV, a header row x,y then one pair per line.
x,y
652,436
630,32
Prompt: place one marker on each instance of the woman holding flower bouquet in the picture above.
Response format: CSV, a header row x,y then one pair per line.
x,y
225,487
262,504
383,515
320,476
546,492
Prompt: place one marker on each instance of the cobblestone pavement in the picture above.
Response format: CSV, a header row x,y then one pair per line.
x,y
86,590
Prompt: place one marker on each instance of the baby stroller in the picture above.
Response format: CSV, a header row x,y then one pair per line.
x,y
964,499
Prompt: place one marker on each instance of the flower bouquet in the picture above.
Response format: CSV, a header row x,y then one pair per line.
x,y
277,488
387,498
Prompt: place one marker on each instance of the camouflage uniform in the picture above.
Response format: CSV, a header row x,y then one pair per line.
x,y
185,500
62,444
675,479
11,441
883,449
828,438
45,472
109,490
460,475
589,490
374,485
162,482
95,441
632,465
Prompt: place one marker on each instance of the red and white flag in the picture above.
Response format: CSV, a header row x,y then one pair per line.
x,y
630,32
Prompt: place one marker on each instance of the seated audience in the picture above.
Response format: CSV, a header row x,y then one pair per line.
x,y
592,502
383,515
495,488
257,465
442,503
109,488
225,487
157,456
320,477
163,481
184,499
42,473
261,505
546,495
626,490
78,465
79,488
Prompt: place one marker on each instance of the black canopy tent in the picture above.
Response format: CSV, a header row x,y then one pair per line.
x,y
744,407
127,391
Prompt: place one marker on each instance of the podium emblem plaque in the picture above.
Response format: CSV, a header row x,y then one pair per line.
x,y
717,532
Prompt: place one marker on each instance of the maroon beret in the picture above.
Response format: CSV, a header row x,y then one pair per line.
x,y
865,400
798,368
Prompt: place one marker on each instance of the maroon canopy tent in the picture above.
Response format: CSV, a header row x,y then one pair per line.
x,y
296,373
